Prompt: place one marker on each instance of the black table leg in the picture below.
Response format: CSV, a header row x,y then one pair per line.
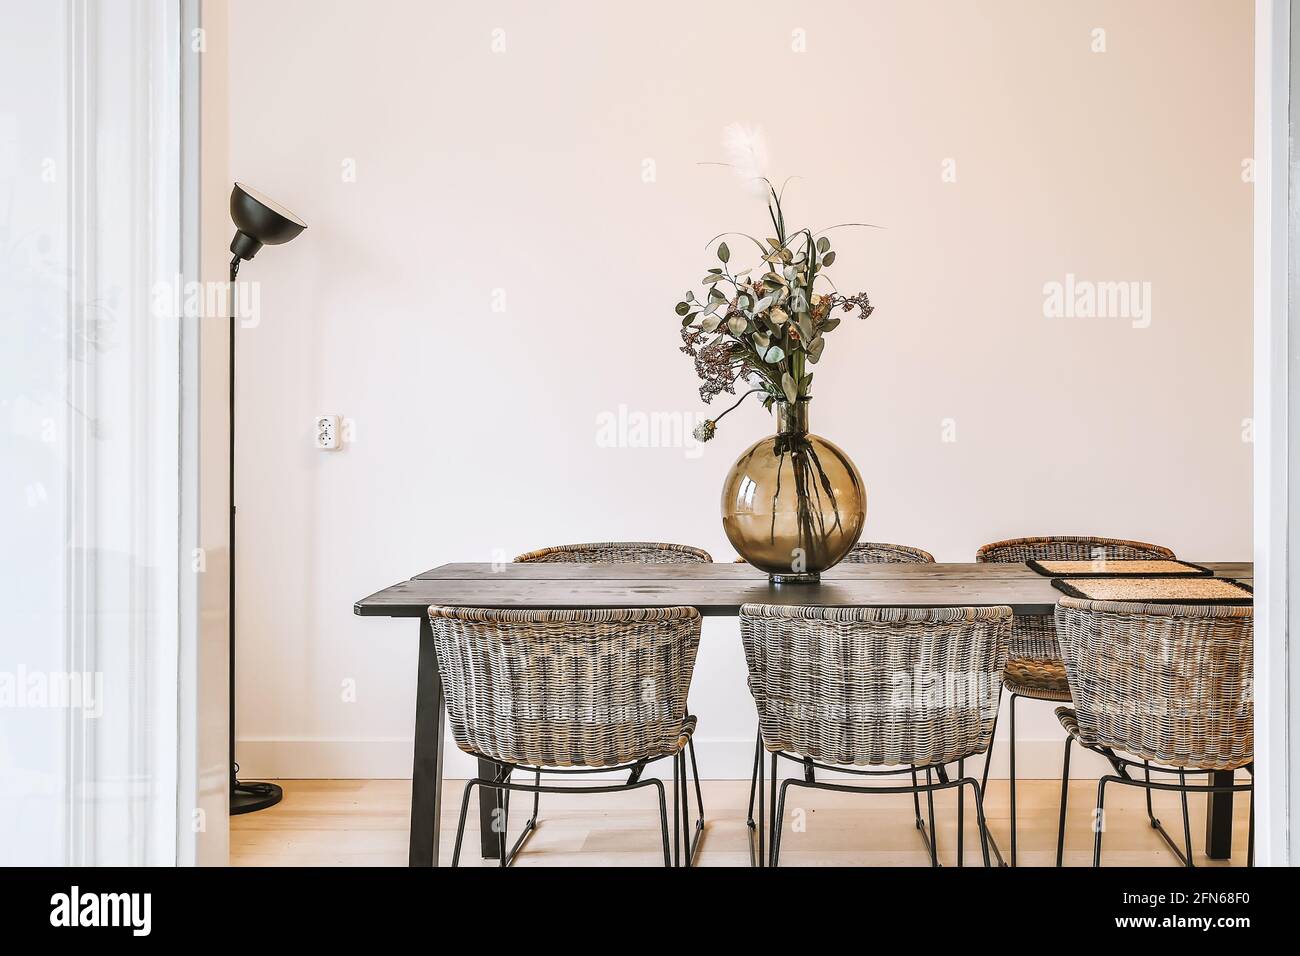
x,y
489,813
1218,818
426,774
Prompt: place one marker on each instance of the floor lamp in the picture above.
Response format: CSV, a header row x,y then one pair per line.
x,y
259,221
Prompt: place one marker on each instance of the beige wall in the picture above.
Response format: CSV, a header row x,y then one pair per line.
x,y
522,170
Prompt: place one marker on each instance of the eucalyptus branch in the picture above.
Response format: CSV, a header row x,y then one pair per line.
x,y
843,225
736,405
709,427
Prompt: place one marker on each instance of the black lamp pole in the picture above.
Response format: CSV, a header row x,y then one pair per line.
x,y
259,221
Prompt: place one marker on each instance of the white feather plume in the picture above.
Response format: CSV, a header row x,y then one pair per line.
x,y
747,155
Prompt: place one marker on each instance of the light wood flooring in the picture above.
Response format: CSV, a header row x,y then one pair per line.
x,y
364,823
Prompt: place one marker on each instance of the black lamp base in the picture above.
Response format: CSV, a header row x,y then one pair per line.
x,y
247,797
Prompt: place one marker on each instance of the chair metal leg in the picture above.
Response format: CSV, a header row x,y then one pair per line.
x,y
1065,795
993,737
916,800
934,837
762,831
753,779
772,793
945,783
460,827
676,809
979,816
501,790
695,834
961,815
1099,821
663,820
502,787
695,772
928,835
988,762
1011,774
778,819
503,826
1187,823
753,792
686,813
1250,837
1183,857
1151,814
1185,853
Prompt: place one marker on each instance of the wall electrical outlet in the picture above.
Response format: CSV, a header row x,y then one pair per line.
x,y
327,432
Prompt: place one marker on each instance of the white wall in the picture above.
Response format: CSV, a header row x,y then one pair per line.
x,y
522,171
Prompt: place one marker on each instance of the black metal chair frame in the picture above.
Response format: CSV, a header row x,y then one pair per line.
x,y
1011,770
810,781
756,853
1121,766
928,837
501,781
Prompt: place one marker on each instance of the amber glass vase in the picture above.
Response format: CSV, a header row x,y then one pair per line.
x,y
793,504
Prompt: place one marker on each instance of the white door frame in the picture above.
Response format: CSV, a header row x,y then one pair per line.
x,y
1277,498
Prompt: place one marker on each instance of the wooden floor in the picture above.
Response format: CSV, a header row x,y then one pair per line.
x,y
364,823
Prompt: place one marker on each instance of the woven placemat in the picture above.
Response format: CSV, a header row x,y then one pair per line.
x,y
1159,590
1104,568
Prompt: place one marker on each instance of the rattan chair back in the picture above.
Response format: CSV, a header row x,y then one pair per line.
x,y
1034,636
617,552
1070,548
876,686
877,552
1168,683
593,688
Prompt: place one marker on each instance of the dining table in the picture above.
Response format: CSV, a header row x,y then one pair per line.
x,y
715,590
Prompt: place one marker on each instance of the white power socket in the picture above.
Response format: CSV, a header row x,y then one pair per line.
x,y
327,432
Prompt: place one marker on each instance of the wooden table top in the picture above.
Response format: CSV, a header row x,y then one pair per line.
x,y
718,590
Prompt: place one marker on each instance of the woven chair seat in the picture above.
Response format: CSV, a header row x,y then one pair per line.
x,y
687,732
1069,719
599,730
1036,677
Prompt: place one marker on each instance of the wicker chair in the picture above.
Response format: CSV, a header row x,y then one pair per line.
x,y
617,552
864,552
634,552
875,552
1034,666
1167,684
825,682
569,692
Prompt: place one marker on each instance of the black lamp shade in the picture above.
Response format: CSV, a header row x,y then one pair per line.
x,y
260,221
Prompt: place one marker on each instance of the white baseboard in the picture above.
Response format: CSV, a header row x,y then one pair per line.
x,y
326,758
390,758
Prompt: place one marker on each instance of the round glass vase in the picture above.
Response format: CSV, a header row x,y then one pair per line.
x,y
793,504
